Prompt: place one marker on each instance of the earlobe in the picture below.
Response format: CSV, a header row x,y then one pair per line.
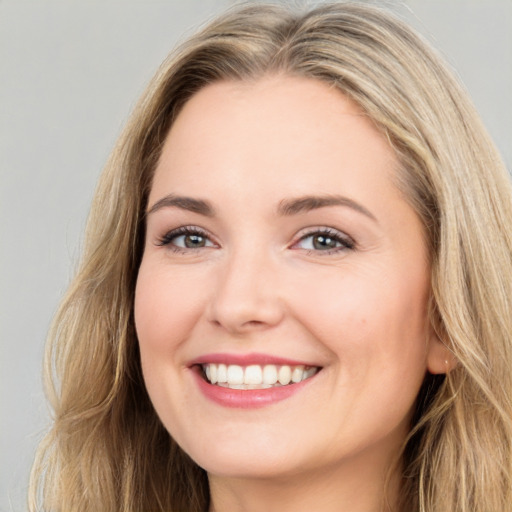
x,y
439,357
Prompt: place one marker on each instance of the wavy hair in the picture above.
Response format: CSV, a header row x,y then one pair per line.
x,y
107,450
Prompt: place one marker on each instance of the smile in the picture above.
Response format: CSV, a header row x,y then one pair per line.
x,y
256,376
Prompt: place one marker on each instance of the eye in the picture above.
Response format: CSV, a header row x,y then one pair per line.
x,y
325,240
187,237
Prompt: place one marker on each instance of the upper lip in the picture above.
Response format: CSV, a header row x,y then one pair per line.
x,y
247,359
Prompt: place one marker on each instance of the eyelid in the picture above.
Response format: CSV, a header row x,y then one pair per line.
x,y
166,239
346,241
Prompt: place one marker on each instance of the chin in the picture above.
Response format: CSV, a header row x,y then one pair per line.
x,y
246,460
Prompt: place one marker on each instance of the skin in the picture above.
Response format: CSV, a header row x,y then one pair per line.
x,y
258,284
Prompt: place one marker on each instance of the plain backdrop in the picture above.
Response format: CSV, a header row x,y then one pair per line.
x,y
70,72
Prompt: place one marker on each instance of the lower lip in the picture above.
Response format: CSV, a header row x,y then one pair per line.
x,y
247,398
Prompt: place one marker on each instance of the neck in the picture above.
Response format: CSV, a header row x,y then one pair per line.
x,y
336,490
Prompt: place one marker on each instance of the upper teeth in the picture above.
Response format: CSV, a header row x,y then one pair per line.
x,y
255,376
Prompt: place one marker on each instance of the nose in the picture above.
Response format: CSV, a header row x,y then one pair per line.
x,y
246,296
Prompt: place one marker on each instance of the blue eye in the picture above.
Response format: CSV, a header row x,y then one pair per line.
x,y
187,238
325,240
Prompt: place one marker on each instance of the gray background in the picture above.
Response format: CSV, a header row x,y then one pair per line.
x,y
70,72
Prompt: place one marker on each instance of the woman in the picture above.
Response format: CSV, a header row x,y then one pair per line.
x,y
295,287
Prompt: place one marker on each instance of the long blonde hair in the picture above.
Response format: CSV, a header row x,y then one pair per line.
x,y
107,450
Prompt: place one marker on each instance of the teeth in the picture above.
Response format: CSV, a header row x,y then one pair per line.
x,y
235,374
309,373
213,373
270,374
222,373
285,375
255,376
297,374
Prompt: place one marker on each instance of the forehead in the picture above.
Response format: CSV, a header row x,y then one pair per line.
x,y
289,130
269,107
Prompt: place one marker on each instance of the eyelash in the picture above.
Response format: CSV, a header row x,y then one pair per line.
x,y
344,241
168,238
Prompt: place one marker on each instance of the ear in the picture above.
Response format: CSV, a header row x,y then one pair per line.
x,y
439,357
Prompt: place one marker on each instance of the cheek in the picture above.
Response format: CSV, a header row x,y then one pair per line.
x,y
166,309
374,325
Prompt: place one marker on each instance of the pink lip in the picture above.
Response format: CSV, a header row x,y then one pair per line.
x,y
245,398
246,359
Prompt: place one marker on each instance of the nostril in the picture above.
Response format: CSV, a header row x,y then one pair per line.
x,y
254,323
239,320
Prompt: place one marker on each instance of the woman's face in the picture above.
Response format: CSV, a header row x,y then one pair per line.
x,y
278,247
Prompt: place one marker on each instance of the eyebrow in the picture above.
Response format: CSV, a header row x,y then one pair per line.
x,y
286,207
185,203
308,203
